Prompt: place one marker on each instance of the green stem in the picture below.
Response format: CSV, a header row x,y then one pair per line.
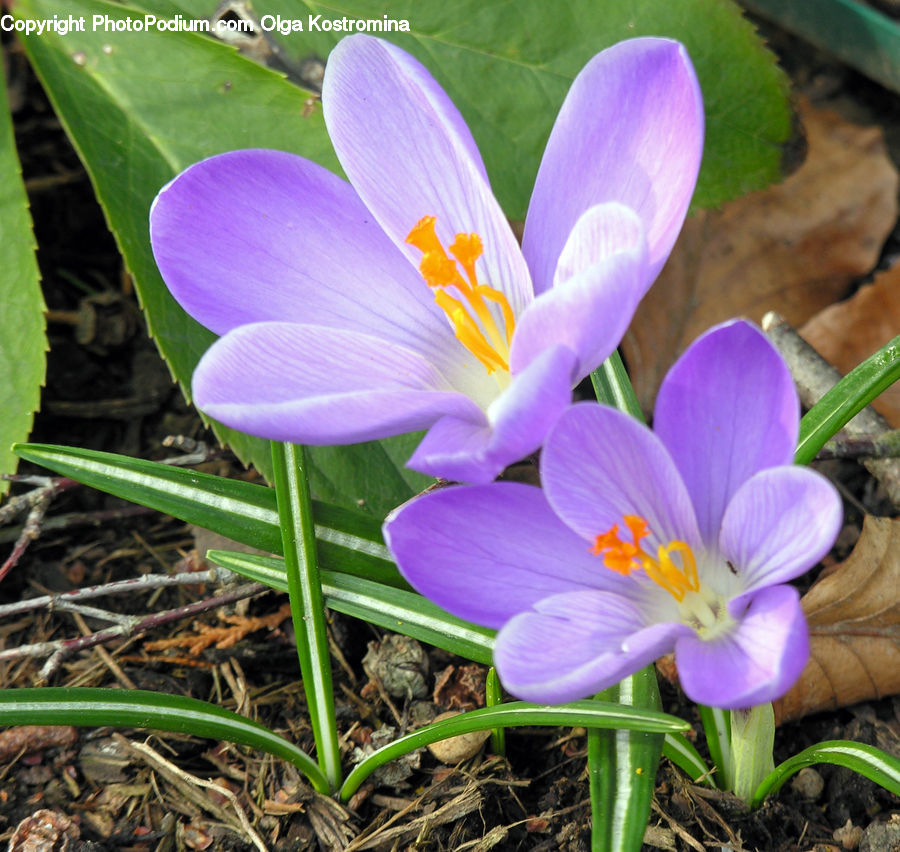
x,y
752,745
307,605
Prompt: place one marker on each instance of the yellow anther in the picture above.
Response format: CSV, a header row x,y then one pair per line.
x,y
438,270
473,322
623,557
467,248
423,237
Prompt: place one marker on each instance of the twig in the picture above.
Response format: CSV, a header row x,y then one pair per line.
x,y
79,519
814,377
37,502
46,485
120,587
886,446
63,648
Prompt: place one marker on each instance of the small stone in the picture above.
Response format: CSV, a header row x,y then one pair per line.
x,y
808,783
848,835
456,749
882,836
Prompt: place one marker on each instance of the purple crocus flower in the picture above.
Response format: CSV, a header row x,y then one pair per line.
x,y
643,542
401,301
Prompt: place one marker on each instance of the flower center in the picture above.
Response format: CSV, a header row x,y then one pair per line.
x,y
623,557
698,605
466,302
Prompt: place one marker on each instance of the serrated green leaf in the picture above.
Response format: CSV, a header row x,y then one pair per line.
x,y
141,106
23,341
137,708
508,73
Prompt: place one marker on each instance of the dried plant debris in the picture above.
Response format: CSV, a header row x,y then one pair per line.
x,y
206,636
854,622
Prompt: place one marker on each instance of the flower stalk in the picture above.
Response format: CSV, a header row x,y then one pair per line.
x,y
752,743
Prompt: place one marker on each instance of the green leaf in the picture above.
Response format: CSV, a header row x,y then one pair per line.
x,y
493,697
717,727
680,750
846,399
92,707
588,713
622,768
241,511
23,341
298,535
874,764
508,73
139,108
394,609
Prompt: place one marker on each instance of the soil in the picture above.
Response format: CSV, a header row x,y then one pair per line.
x,y
100,789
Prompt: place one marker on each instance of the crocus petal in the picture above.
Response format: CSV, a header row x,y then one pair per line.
x,y
600,279
726,410
253,236
466,451
756,662
407,158
599,464
488,552
780,523
576,643
630,130
314,385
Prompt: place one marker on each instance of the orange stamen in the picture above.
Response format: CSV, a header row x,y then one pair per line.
x,y
623,557
473,322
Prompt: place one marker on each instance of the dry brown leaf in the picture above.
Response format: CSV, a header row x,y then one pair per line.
x,y
849,332
854,623
793,248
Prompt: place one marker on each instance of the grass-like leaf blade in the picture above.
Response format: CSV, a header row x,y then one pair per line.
x,y
93,707
622,766
241,511
846,399
588,713
394,609
680,750
873,763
